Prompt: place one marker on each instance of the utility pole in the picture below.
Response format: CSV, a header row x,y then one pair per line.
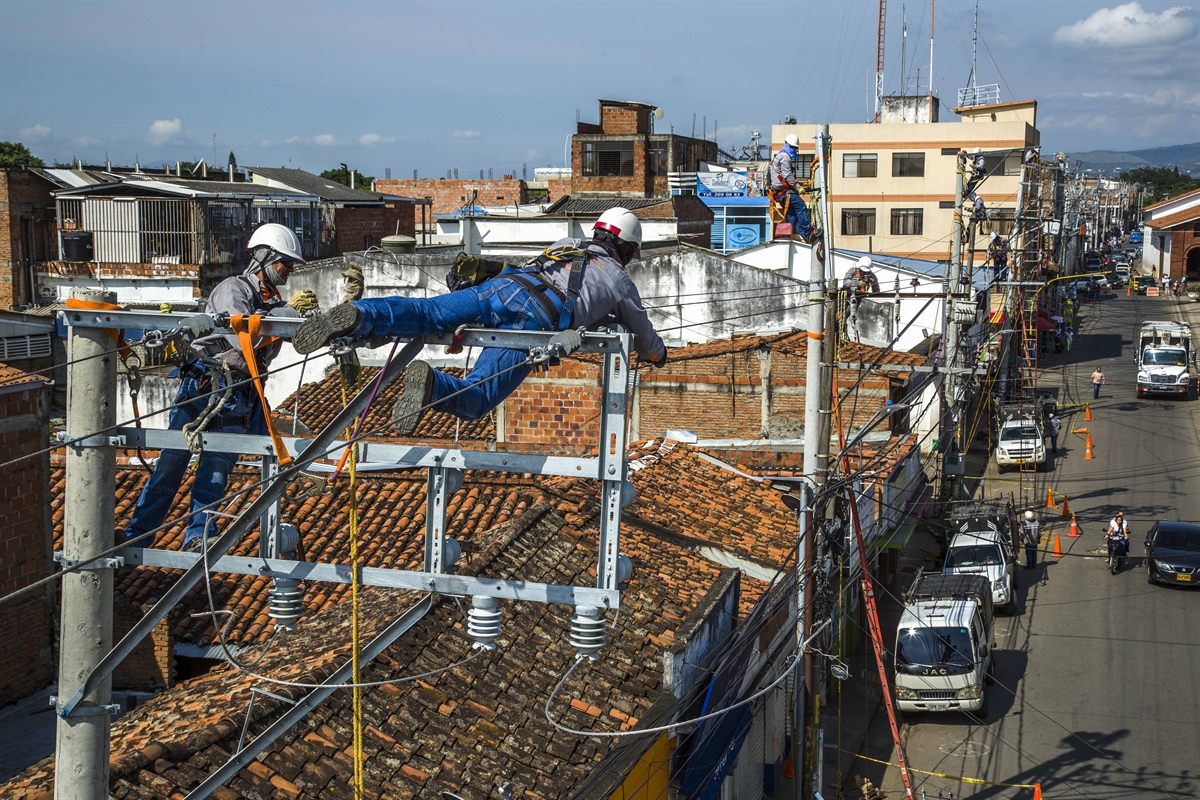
x,y
816,458
81,764
947,433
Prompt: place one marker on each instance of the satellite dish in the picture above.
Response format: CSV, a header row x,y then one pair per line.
x,y
658,113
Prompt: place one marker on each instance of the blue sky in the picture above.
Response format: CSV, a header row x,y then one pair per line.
x,y
435,86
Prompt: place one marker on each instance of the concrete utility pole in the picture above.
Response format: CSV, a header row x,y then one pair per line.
x,y
816,454
947,433
81,764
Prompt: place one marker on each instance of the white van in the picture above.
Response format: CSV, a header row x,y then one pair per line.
x,y
988,553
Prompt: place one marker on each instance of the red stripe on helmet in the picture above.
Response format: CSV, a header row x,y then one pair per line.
x,y
607,226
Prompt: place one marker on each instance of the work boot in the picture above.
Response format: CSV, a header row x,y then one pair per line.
x,y
316,332
412,405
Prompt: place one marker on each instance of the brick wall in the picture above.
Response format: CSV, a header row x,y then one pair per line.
x,y
151,666
28,232
624,120
718,397
638,183
1183,241
360,227
558,188
25,550
449,195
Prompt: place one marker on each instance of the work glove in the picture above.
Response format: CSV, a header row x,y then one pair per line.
x,y
303,301
661,362
454,281
470,267
196,326
352,287
564,343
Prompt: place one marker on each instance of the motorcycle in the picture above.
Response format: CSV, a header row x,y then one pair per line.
x,y
1118,549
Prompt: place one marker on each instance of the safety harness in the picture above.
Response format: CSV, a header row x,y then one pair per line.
x,y
532,278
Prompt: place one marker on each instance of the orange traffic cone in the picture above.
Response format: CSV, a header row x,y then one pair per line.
x,y
1128,290
1074,527
1080,431
1049,497
1087,412
1037,791
1088,455
1066,509
1057,546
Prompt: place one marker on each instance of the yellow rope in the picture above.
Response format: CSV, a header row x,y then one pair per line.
x,y
355,666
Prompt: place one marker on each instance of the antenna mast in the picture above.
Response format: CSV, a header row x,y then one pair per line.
x,y
931,5
974,47
879,60
903,48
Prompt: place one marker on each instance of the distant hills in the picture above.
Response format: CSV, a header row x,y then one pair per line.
x,y
1184,156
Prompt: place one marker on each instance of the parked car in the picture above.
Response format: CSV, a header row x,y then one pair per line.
x,y
1121,276
988,553
1135,237
1173,553
1144,282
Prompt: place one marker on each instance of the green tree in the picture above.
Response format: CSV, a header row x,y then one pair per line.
x,y
232,159
15,154
1160,182
342,175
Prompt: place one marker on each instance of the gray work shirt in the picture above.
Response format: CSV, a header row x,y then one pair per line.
x,y
606,290
783,173
238,295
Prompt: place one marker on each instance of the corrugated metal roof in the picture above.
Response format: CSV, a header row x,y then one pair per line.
x,y
324,188
75,177
595,206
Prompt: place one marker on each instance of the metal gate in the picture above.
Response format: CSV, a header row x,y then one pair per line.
x,y
748,774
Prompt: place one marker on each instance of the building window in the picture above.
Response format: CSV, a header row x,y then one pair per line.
x,y
908,165
858,222
658,154
860,165
907,221
608,159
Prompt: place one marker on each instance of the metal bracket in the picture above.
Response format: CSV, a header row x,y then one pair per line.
x,y
92,441
86,709
69,564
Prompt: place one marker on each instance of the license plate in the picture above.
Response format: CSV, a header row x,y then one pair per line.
x,y
938,706
1183,577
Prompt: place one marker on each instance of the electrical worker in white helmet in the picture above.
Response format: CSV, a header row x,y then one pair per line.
x,y
784,189
575,284
274,252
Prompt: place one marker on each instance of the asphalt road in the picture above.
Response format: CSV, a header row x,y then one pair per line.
x,y
1098,676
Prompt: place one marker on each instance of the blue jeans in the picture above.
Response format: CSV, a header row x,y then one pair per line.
x,y
484,387
797,215
242,413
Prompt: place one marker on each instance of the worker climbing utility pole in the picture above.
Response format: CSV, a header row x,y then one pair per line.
x,y
81,763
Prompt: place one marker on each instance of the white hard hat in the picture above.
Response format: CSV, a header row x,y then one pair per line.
x,y
864,262
993,235
1028,515
282,241
976,151
622,223
792,139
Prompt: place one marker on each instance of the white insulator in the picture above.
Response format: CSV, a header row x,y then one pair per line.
x,y
285,602
588,632
484,621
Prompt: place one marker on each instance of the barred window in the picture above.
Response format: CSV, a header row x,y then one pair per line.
x,y
608,159
908,165
858,222
860,165
908,221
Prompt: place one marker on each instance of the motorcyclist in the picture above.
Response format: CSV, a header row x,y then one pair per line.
x,y
1117,536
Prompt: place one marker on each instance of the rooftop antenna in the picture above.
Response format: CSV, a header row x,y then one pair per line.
x,y
903,47
931,6
974,47
879,59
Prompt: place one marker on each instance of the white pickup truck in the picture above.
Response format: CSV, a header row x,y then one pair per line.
x,y
1020,440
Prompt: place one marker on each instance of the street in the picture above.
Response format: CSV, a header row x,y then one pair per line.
x,y
1097,676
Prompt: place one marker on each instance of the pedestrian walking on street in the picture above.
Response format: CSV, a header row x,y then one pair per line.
x,y
1053,429
1031,534
1098,380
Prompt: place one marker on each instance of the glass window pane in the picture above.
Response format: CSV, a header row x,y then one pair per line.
x,y
908,165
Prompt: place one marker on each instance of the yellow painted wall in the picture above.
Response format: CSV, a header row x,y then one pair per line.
x,y
648,780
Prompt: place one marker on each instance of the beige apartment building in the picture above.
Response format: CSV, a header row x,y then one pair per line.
x,y
892,182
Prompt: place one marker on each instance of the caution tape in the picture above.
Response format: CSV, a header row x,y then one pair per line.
x,y
1037,787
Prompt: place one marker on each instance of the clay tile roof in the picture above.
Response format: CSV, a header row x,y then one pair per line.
x,y
796,343
15,376
467,728
320,402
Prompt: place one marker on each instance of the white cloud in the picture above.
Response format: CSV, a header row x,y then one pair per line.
x,y
465,134
374,138
1129,26
164,130
34,133
325,140
291,140
86,141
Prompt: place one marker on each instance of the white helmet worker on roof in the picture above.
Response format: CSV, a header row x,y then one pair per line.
x,y
864,262
1029,515
792,140
274,249
621,228
976,151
